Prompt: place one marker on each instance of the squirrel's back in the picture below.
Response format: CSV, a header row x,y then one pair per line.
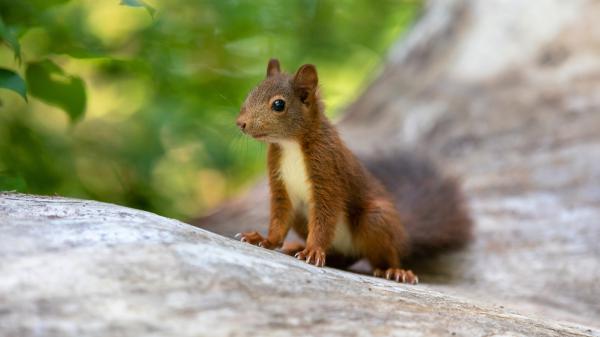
x,y
431,205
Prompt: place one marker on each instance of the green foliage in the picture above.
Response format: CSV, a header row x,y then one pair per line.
x,y
12,182
12,81
9,37
49,83
139,3
140,109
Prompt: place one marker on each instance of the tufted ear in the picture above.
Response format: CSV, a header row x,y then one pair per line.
x,y
273,68
305,81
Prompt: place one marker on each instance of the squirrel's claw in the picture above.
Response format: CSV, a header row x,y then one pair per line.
x,y
398,275
254,238
314,256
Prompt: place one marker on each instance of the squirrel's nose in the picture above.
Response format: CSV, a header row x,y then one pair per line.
x,y
241,125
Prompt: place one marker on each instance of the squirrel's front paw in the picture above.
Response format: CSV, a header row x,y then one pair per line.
x,y
256,239
314,256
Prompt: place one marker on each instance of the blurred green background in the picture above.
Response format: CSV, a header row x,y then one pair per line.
x,y
134,103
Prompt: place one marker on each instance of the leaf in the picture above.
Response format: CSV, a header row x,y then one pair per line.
x,y
12,81
9,36
48,82
139,3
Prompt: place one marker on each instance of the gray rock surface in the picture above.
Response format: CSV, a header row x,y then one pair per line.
x,y
83,268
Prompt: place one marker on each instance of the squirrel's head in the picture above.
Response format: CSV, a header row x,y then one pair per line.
x,y
282,106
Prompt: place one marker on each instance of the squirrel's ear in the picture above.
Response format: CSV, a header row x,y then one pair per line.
x,y
306,80
273,68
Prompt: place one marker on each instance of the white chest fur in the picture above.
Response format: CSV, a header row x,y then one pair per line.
x,y
294,175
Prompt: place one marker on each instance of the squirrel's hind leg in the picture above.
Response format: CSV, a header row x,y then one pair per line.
x,y
382,239
397,274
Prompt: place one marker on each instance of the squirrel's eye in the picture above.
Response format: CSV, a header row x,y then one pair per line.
x,y
278,105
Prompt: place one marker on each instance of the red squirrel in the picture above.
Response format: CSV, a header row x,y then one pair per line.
x,y
321,190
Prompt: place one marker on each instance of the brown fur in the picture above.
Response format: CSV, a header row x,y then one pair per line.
x,y
431,205
342,187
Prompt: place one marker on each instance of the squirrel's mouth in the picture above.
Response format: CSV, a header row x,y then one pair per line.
x,y
259,135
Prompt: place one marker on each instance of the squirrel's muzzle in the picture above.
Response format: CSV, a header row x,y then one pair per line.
x,y
241,123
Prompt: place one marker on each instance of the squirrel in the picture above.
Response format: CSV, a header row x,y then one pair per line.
x,y
321,190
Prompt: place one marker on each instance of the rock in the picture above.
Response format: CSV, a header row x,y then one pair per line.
x,y
84,268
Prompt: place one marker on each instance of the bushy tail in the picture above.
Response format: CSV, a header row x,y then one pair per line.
x,y
431,205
